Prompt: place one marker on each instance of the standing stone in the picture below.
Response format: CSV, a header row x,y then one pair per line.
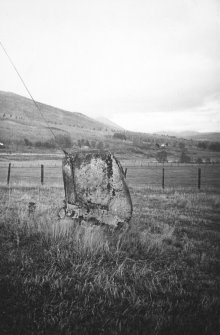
x,y
95,188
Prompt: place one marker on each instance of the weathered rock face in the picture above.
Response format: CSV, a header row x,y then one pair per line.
x,y
95,187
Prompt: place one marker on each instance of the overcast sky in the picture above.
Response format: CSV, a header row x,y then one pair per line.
x,y
148,65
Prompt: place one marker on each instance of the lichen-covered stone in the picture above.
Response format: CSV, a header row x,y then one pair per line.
x,y
95,187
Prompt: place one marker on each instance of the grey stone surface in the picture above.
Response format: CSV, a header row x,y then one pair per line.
x,y
95,187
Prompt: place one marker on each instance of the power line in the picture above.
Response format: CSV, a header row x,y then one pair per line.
x,y
28,91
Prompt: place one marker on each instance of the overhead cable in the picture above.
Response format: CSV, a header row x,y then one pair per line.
x,y
29,93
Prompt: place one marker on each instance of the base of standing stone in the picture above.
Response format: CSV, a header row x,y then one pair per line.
x,y
94,216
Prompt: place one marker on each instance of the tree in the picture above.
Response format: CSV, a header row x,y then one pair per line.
x,y
184,158
161,156
81,142
203,145
214,146
199,160
27,142
182,145
87,143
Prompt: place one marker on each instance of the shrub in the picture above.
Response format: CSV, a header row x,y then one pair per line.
x,y
100,145
79,143
64,140
27,142
119,136
47,144
93,144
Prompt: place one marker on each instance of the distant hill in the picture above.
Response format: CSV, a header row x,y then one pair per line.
x,y
109,123
180,134
194,135
21,119
213,137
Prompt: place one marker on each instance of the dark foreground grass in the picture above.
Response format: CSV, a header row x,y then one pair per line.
x,y
160,277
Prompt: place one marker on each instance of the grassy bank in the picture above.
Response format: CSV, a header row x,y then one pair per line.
x,y
162,276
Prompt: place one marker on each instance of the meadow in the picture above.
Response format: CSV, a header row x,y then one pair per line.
x,y
161,276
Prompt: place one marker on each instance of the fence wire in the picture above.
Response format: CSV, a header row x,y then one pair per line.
x,y
137,175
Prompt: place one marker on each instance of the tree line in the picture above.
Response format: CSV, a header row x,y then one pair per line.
x,y
65,141
212,146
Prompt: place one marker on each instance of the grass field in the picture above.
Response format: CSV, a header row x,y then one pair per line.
x,y
162,276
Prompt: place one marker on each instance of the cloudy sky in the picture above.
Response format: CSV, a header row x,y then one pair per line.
x,y
148,65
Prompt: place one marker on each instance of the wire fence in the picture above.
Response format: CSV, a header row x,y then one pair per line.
x,y
167,175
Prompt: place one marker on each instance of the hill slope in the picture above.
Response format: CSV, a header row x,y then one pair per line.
x,y
109,123
20,119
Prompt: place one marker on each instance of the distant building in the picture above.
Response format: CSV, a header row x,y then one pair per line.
x,y
162,146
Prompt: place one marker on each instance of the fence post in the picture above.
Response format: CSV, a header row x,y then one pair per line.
x,y
125,172
42,174
163,178
199,178
9,173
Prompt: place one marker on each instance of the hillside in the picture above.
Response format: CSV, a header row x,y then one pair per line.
x,y
109,123
20,119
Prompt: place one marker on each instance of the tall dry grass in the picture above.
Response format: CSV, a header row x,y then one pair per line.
x,y
158,277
